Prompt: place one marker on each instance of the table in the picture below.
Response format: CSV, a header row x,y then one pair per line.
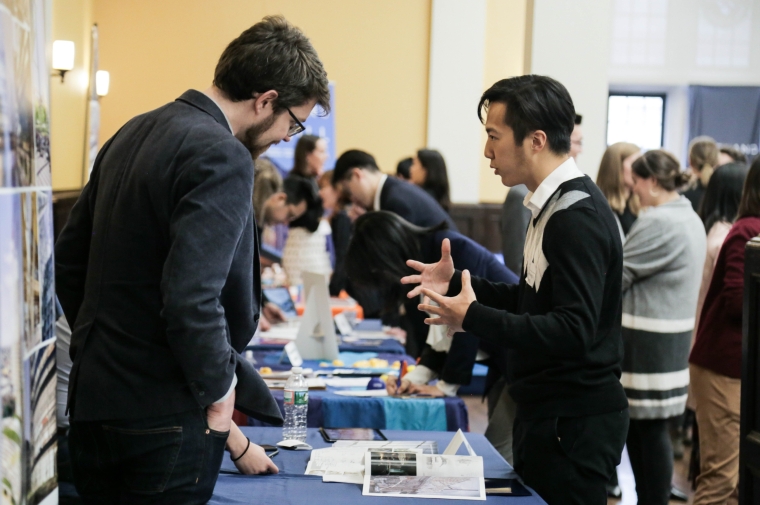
x,y
334,411
291,487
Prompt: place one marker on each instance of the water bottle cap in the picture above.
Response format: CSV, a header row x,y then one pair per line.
x,y
296,370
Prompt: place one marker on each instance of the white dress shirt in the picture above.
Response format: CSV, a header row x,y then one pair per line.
x,y
536,200
376,204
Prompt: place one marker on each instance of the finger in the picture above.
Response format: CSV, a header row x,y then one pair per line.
x,y
414,292
405,386
466,280
435,321
272,467
411,279
439,299
431,309
416,265
446,250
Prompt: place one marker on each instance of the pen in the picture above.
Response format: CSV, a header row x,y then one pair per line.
x,y
401,373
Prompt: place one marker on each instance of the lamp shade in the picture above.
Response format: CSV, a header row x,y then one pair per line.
x,y
63,55
102,82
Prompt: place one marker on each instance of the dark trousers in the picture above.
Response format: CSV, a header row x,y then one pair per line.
x,y
171,459
569,460
651,454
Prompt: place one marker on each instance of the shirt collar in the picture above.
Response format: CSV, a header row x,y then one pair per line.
x,y
383,178
536,200
222,111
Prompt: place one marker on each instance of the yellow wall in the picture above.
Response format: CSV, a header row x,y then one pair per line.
x,y
72,20
504,57
375,52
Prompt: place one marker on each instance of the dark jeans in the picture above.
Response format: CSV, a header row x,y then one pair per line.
x,y
569,460
172,459
651,454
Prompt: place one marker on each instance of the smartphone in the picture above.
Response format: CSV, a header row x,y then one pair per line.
x,y
270,450
335,434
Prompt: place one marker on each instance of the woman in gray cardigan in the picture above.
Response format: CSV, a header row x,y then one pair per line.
x,y
662,260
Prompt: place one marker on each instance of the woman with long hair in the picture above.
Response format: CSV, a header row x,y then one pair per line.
x,y
428,171
376,260
662,257
615,182
715,361
703,159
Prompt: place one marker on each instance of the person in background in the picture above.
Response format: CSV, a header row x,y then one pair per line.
x,y
515,218
729,154
357,173
157,272
703,158
403,168
715,361
661,258
615,180
428,171
576,138
376,259
272,202
718,212
335,203
309,161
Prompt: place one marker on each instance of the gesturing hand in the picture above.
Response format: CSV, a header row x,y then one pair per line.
x,y
450,310
434,277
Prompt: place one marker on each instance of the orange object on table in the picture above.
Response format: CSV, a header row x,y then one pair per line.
x,y
337,306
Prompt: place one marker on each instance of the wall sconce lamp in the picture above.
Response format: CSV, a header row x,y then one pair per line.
x,y
102,82
63,57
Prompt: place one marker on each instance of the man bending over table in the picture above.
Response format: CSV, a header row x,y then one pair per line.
x,y
157,271
563,321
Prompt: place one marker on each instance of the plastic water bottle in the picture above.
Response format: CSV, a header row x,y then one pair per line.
x,y
296,406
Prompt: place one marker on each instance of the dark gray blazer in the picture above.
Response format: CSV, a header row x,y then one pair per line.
x,y
157,270
413,204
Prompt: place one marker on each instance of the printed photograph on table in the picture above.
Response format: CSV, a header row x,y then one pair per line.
x,y
11,324
16,115
426,487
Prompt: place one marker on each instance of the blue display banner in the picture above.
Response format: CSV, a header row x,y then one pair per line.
x,y
323,126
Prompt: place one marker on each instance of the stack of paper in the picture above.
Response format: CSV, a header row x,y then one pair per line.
x,y
403,468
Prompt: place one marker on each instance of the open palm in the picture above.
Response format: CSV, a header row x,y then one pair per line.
x,y
432,276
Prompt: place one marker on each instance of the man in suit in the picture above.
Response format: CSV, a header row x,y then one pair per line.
x,y
157,271
357,173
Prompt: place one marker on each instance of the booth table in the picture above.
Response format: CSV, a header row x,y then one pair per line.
x,y
292,487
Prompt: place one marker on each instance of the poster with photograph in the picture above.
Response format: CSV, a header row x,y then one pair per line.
x,y
40,69
11,324
40,425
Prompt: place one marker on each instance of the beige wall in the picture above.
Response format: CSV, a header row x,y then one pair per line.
x,y
505,52
375,52
72,20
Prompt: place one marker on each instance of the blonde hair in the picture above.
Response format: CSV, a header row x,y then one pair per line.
x,y
266,182
610,176
703,156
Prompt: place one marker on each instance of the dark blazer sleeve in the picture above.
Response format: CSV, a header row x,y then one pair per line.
x,y
341,236
72,249
212,204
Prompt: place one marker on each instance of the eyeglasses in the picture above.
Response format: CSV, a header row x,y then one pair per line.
x,y
296,128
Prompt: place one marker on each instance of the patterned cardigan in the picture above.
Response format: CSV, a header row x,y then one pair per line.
x,y
662,266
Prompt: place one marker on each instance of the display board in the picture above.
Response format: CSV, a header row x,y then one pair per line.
x,y
27,291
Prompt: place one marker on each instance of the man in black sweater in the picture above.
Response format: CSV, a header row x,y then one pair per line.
x,y
562,323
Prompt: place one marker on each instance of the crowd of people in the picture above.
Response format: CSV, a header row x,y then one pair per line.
x,y
617,306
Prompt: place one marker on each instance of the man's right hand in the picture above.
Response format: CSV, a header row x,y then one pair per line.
x,y
219,415
391,385
433,276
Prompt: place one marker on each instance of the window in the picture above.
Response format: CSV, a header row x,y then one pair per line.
x,y
637,119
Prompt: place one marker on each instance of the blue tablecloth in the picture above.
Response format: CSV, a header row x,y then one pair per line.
x,y
335,411
279,362
292,487
388,346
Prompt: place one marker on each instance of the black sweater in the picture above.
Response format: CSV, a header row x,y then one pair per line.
x,y
566,336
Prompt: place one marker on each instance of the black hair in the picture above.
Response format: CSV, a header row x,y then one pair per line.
x,y
273,55
437,179
299,189
305,146
376,257
723,194
534,102
736,155
750,204
578,119
663,166
351,159
402,169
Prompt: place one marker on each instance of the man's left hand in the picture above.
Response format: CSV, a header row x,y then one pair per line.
x,y
450,310
273,313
